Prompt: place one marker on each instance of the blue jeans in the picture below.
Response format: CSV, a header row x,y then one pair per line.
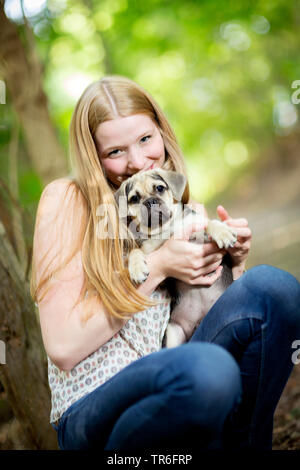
x,y
218,391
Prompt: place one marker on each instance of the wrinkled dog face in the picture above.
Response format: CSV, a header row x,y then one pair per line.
x,y
147,198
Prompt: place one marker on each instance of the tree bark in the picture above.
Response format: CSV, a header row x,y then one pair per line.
x,y
24,375
22,75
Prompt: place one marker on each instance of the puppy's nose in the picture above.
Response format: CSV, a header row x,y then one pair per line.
x,y
150,202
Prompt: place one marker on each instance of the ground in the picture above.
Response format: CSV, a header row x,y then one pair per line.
x,y
286,434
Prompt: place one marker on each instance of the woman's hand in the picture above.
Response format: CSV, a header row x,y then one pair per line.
x,y
240,251
191,262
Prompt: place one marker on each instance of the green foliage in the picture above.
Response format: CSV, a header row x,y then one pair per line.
x,y
30,187
221,70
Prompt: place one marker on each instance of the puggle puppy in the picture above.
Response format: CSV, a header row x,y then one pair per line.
x,y
153,212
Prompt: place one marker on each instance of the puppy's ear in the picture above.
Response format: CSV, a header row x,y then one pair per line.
x,y
123,190
120,192
176,181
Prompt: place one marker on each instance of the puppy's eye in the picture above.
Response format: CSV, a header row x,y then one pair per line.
x,y
134,199
160,188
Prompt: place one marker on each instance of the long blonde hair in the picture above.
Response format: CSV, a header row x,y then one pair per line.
x,y
106,275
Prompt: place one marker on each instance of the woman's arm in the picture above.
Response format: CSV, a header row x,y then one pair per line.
x,y
66,340
157,274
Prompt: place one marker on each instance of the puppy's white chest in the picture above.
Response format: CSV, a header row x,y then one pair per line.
x,y
177,225
182,220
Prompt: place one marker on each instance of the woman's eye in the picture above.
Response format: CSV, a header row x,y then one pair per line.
x,y
146,137
160,188
113,152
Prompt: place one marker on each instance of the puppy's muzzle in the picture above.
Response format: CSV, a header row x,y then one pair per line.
x,y
156,213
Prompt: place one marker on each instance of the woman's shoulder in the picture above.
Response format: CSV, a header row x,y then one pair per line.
x,y
58,186
58,192
60,216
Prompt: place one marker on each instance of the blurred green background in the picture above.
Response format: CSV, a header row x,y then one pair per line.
x,y
223,72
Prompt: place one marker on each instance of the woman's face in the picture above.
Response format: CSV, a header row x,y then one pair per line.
x,y
127,145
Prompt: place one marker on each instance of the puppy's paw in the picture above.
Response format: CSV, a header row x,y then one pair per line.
x,y
137,266
174,335
226,237
221,233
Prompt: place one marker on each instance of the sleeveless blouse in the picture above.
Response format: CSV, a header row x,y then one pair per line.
x,y
141,335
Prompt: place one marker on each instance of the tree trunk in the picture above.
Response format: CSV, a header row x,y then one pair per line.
x,y
22,75
24,373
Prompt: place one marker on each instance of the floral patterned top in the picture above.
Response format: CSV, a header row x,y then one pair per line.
x,y
141,335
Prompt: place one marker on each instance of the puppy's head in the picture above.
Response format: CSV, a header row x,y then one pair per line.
x,y
147,198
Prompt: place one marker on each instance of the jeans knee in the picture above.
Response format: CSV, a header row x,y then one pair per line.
x,y
278,287
220,379
209,381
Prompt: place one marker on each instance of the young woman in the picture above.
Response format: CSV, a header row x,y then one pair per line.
x,y
113,386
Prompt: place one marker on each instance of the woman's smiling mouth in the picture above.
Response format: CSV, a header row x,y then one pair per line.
x,y
122,178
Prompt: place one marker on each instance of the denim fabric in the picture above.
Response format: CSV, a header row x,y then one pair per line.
x,y
217,391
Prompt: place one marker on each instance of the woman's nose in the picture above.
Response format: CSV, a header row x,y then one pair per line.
x,y
136,159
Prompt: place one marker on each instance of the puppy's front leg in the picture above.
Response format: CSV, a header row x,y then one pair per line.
x,y
221,233
174,335
137,266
